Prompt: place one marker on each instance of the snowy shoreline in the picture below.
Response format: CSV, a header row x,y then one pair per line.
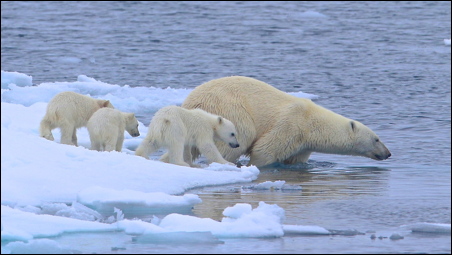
x,y
49,189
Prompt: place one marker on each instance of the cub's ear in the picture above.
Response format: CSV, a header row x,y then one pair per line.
x,y
353,126
131,115
106,103
220,120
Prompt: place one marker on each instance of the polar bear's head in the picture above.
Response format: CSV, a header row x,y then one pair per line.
x,y
367,143
132,124
225,131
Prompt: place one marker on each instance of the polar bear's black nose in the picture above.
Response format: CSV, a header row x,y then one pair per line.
x,y
234,145
382,157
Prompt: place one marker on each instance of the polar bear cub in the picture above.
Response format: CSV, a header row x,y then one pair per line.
x,y
69,111
179,130
106,129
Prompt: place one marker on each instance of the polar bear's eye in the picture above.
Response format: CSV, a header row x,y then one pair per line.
x,y
377,140
232,134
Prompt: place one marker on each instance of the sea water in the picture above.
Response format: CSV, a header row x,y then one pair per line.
x,y
382,63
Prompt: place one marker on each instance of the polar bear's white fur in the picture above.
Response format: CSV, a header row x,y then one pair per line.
x,y
179,130
274,126
106,129
69,111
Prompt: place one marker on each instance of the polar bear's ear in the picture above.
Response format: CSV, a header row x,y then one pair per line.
x,y
106,103
220,120
353,125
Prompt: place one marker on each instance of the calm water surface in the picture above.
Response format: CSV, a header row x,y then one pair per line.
x,y
381,63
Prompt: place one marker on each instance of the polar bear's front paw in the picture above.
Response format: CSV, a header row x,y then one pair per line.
x,y
48,137
230,163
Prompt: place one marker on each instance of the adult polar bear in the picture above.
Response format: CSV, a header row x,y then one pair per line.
x,y
273,126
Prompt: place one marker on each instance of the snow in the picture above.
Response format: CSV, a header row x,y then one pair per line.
x,y
312,14
18,79
39,246
305,230
426,227
263,221
49,189
447,42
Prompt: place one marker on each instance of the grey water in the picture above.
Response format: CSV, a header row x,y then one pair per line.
x,y
382,63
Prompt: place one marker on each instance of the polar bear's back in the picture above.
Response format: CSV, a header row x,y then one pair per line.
x,y
252,105
106,119
241,100
180,122
191,118
242,87
242,95
73,107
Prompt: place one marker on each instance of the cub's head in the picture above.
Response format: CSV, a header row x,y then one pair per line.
x,y
367,143
225,131
132,124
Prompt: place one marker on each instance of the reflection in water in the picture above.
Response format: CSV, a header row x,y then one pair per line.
x,y
320,181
